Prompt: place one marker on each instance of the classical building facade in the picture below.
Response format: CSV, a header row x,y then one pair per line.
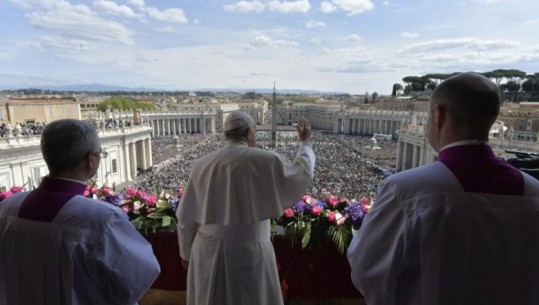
x,y
126,135
25,110
129,150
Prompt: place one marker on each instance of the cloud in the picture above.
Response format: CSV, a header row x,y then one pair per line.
x,y
314,24
137,3
386,3
60,46
490,1
353,38
110,7
315,40
263,40
409,35
468,43
301,6
245,7
167,29
534,21
76,22
350,7
173,15
196,21
327,7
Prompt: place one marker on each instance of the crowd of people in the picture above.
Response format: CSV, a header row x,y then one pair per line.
x,y
349,166
21,129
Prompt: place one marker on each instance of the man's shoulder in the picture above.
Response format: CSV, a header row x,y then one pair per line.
x,y
430,171
94,206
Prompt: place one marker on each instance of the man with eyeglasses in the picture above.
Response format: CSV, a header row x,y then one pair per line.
x,y
58,247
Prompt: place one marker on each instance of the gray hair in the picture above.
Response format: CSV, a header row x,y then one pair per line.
x,y
237,124
65,143
239,133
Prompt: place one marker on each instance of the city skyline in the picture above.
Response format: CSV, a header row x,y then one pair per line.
x,y
352,46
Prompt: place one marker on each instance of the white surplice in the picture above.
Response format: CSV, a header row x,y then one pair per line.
x,y
89,254
451,235
224,226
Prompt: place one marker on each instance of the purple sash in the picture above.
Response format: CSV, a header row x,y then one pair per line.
x,y
480,171
43,203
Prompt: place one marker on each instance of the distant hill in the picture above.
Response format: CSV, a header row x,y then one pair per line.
x,y
111,88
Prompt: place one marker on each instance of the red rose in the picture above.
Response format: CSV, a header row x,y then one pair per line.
x,y
333,200
316,211
332,217
289,213
15,189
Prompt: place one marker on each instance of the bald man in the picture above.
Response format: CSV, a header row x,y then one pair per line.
x,y
461,230
224,216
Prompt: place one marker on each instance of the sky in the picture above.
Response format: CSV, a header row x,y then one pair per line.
x,y
351,46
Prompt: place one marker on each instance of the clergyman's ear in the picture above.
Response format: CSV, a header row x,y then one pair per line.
x,y
440,115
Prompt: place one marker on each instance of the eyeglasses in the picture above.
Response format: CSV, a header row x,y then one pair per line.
x,y
101,154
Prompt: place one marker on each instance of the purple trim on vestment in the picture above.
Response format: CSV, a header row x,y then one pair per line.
x,y
480,171
43,203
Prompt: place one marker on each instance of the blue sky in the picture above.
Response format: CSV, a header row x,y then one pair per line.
x,y
353,46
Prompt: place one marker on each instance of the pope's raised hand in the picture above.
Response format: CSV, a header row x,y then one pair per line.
x,y
304,129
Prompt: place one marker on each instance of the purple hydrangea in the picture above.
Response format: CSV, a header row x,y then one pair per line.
x,y
355,214
175,202
114,199
301,207
321,204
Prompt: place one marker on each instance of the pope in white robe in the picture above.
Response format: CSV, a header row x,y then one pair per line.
x,y
224,216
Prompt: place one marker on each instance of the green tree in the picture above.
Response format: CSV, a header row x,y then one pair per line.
x,y
123,103
396,88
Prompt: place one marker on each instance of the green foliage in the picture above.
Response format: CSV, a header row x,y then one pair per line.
x,y
341,236
123,103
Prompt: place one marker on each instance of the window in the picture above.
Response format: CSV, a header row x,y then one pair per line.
x,y
114,166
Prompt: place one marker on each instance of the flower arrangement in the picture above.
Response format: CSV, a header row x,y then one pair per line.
x,y
313,220
11,191
310,219
147,211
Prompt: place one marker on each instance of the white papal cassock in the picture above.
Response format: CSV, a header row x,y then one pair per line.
x,y
224,226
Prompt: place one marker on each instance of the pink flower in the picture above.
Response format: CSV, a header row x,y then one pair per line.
x,y
305,197
333,200
311,200
86,193
126,208
289,213
364,201
15,189
4,195
181,191
106,190
94,190
332,216
141,194
137,205
316,210
151,200
131,192
340,219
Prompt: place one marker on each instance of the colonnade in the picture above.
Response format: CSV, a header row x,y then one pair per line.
x,y
137,155
368,126
166,126
369,122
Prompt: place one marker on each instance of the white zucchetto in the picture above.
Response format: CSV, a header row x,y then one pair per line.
x,y
237,119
